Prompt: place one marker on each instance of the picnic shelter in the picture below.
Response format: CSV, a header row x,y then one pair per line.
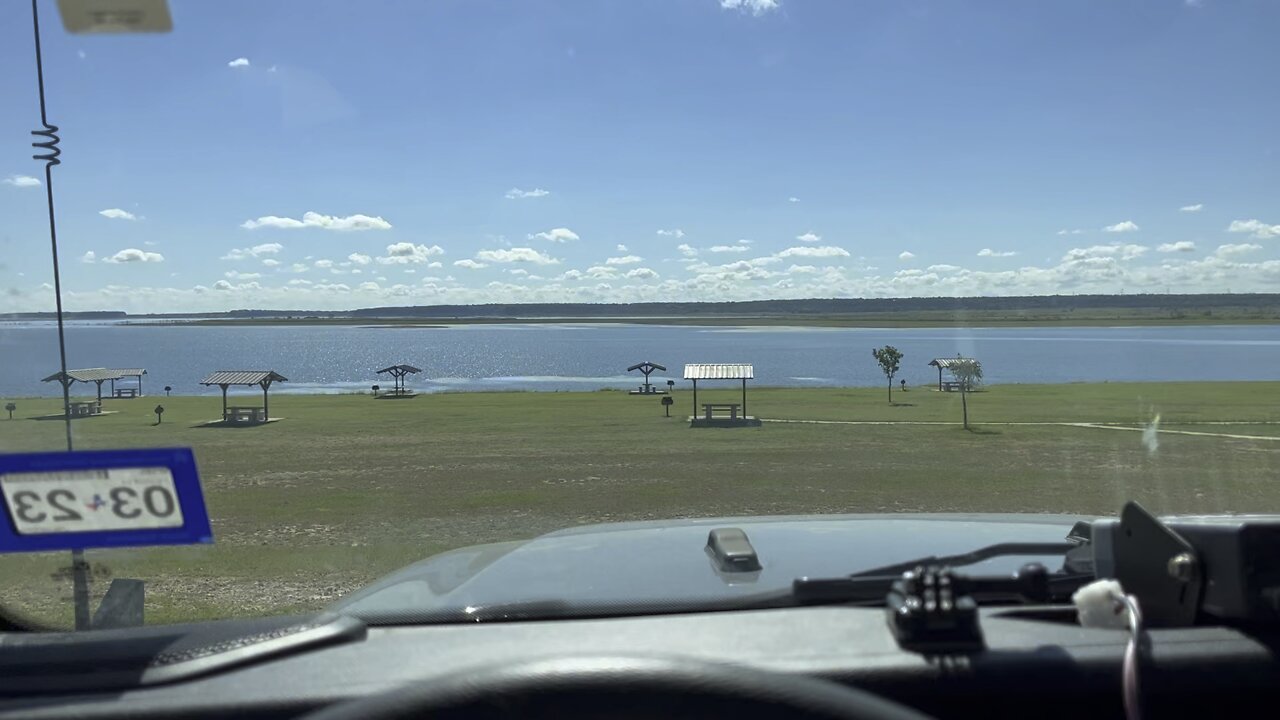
x,y
720,414
244,414
947,364
98,376
398,373
647,368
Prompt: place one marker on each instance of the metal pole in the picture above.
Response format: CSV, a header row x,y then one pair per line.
x,y
224,402
266,411
695,398
744,397
80,577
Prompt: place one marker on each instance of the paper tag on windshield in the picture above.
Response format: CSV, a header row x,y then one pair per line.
x,y
115,16
80,501
101,498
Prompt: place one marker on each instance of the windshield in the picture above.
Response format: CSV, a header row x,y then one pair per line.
x,y
409,278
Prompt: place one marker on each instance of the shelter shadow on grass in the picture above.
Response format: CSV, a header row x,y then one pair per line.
x,y
983,431
898,404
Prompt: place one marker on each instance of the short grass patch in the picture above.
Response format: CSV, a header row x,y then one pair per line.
x,y
346,488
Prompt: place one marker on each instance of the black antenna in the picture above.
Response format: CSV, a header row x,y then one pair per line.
x,y
79,567
51,159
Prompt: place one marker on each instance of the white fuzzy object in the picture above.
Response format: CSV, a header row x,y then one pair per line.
x,y
1100,604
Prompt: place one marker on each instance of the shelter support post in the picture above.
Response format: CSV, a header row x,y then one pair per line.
x,y
695,398
744,397
224,401
266,411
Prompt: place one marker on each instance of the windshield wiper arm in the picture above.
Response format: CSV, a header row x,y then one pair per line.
x,y
972,557
873,585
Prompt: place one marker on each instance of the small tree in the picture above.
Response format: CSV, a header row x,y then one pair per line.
x,y
968,372
890,358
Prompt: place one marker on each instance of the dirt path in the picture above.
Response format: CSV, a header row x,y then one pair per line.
x,y
1096,426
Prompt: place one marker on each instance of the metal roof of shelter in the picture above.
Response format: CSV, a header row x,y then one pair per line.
x,y
719,371
400,368
243,377
647,363
942,363
87,375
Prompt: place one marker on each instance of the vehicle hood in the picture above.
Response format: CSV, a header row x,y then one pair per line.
x,y
668,562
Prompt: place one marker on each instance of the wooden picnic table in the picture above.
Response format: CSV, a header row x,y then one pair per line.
x,y
709,409
80,409
245,414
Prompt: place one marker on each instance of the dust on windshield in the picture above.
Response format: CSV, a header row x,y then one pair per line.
x,y
408,278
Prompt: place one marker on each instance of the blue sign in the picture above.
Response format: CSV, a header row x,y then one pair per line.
x,y
101,498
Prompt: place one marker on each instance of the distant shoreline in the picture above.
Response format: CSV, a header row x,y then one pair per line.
x,y
887,320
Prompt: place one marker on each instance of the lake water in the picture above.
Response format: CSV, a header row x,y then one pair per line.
x,y
587,357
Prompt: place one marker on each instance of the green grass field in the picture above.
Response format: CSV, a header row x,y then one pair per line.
x,y
347,488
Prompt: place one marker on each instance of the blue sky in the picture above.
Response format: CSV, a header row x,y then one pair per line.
x,y
334,155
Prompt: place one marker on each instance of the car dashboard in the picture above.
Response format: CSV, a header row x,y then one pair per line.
x,y
1036,661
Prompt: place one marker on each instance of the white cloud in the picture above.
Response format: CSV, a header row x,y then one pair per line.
x,y
516,255
1238,249
252,252
521,272
1122,252
316,220
622,248
624,260
1180,246
809,237
810,251
323,263
755,7
1191,208
237,275
369,286
1065,231
642,274
793,199
687,250
906,255
299,282
557,235
299,268
1257,228
131,255
89,257
1122,227
675,233
988,252
117,214
22,181
239,62
407,253
729,248
359,259
223,285
469,264
517,193
600,272
271,262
